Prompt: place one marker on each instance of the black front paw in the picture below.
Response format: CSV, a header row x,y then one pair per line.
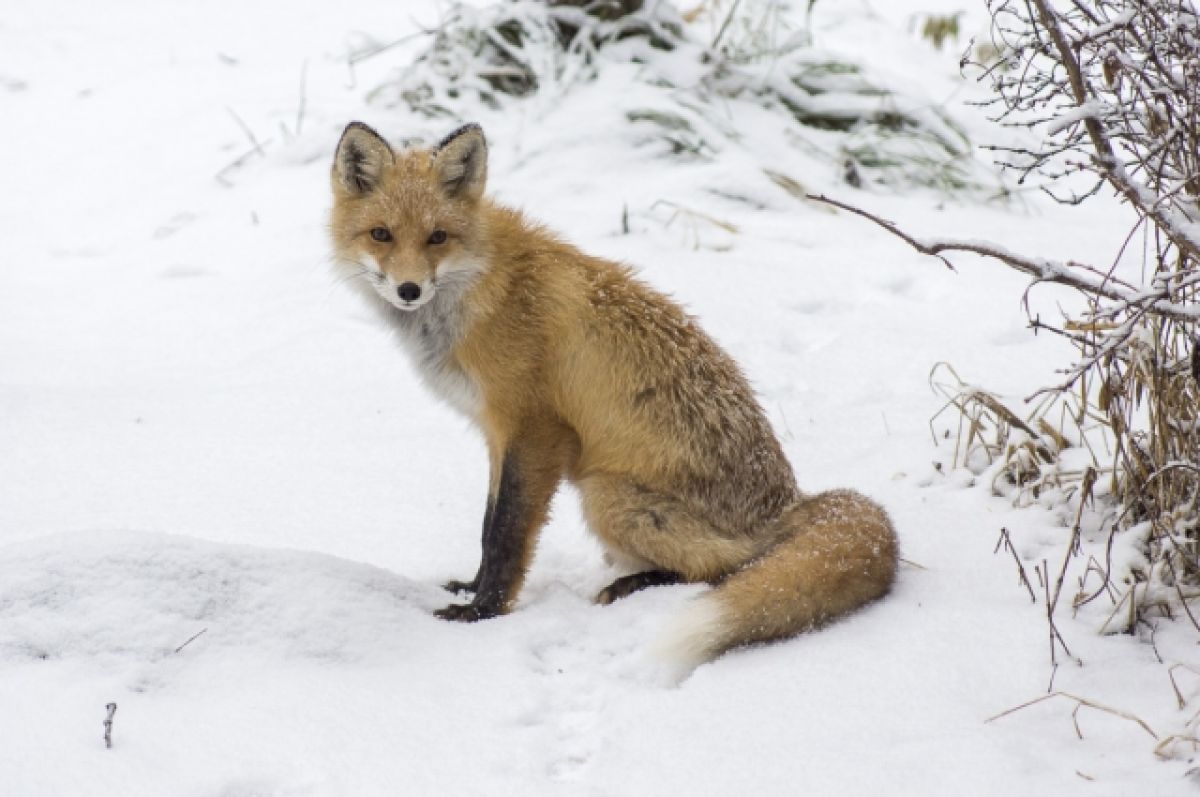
x,y
466,612
459,587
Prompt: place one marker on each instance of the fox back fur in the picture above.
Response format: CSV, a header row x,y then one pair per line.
x,y
574,369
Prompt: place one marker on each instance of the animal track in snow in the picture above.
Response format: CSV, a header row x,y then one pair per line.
x,y
568,709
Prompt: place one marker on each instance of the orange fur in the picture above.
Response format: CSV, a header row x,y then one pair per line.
x,y
573,368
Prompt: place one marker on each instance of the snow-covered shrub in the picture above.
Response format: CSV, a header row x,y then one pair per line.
x,y
870,132
1112,90
485,56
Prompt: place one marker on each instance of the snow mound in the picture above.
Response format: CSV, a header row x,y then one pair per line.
x,y
141,596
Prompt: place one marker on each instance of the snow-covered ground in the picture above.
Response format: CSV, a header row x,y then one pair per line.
x,y
226,504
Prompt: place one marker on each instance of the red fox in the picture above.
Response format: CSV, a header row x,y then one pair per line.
x,y
573,369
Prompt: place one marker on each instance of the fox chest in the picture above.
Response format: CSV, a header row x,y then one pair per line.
x,y
429,339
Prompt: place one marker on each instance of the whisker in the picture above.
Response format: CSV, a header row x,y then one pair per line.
x,y
345,278
360,270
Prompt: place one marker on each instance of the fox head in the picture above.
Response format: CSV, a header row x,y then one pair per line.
x,y
408,221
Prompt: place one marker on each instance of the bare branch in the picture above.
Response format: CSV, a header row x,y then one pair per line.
x,y
1071,274
924,249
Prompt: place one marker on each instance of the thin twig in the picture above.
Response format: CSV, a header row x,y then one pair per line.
x,y
1150,302
108,725
1089,479
240,161
1080,701
1160,749
1183,601
1006,541
303,97
1171,674
1107,161
254,142
192,639
725,25
923,248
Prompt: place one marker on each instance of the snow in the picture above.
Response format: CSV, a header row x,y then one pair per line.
x,y
1091,109
1120,20
228,502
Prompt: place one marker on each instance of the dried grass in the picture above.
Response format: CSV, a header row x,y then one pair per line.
x,y
1080,702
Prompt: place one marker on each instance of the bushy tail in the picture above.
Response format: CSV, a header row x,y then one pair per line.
x,y
836,552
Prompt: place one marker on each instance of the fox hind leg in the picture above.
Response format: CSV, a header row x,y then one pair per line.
x,y
625,586
661,532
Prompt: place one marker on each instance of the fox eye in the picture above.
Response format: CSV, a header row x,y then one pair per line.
x,y
381,234
437,237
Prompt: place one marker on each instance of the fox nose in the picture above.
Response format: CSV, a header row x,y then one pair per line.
x,y
409,291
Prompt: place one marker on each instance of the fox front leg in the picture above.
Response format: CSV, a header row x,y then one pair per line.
x,y
472,586
496,466
515,516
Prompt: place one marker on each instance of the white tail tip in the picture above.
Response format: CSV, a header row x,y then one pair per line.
x,y
694,637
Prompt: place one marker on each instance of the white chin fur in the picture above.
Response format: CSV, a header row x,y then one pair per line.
x,y
387,289
693,638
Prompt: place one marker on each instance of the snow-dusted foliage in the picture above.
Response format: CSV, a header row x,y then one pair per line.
x,y
838,110
1112,88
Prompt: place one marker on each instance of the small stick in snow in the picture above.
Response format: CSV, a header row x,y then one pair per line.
x,y
724,25
240,161
1075,719
1183,599
1153,645
1171,674
1104,581
108,723
1163,749
1125,596
1080,701
303,97
192,639
1006,541
247,131
1054,632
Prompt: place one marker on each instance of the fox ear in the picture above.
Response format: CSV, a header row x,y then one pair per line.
x,y
460,162
361,156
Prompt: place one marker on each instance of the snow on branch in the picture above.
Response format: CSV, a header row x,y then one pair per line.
x,y
1160,299
1114,85
1109,91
